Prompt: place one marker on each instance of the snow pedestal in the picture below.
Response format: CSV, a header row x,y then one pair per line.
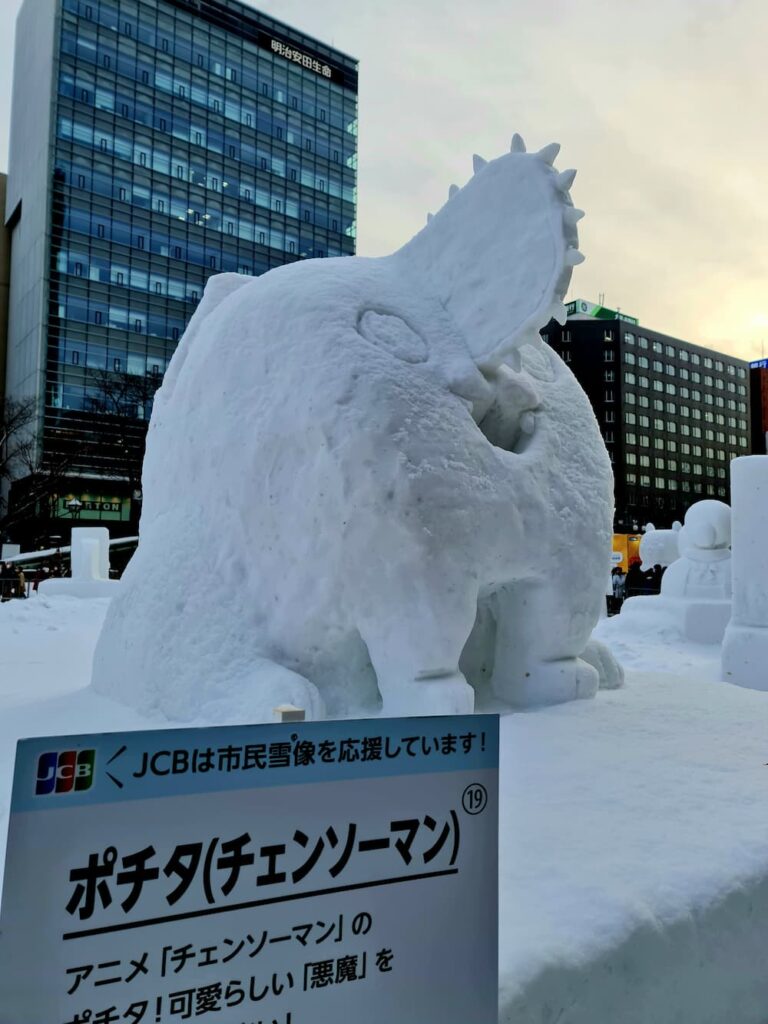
x,y
89,553
745,646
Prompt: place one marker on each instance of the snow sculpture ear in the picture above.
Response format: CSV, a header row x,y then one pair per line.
x,y
217,289
649,528
677,526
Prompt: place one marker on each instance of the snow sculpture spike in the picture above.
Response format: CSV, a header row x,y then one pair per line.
x,y
549,153
430,218
518,146
565,179
573,257
477,163
452,191
572,215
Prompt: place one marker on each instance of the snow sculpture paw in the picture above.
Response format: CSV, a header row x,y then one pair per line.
x,y
360,471
609,670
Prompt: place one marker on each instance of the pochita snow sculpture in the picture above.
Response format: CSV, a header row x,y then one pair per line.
x,y
361,471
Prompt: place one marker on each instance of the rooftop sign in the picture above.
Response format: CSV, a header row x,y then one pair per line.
x,y
580,307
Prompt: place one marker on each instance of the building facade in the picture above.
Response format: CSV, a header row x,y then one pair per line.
x,y
672,414
758,376
154,143
5,282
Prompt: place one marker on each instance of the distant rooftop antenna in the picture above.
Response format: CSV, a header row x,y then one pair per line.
x,y
601,299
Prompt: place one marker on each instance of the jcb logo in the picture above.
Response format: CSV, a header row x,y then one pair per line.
x,y
65,771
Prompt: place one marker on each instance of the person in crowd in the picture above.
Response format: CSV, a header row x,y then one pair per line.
x,y
619,582
7,581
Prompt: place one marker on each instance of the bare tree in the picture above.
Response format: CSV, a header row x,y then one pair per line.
x,y
20,460
121,404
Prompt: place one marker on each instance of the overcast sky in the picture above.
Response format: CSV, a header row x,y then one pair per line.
x,y
660,105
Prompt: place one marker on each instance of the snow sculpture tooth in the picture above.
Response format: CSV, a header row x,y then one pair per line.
x,y
573,257
430,218
559,313
477,163
518,146
565,180
563,282
572,215
527,422
452,191
549,153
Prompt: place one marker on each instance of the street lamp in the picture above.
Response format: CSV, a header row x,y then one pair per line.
x,y
74,505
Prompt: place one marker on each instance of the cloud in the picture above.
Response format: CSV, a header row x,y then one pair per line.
x,y
658,104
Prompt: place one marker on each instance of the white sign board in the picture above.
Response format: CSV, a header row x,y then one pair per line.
x,y
281,874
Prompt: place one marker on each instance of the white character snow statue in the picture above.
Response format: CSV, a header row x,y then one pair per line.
x,y
369,481
696,588
659,547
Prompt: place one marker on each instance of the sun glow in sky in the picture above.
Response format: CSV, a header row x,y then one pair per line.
x,y
660,106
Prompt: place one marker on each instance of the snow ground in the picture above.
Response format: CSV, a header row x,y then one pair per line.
x,y
634,828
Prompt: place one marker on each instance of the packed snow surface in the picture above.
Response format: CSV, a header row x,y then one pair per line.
x,y
634,828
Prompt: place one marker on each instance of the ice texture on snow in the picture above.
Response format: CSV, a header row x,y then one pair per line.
x,y
745,645
354,464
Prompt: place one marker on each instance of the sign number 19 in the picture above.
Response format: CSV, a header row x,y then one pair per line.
x,y
474,798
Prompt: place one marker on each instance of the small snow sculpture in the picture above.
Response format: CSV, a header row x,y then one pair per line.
x,y
361,471
745,646
659,547
703,571
89,555
696,588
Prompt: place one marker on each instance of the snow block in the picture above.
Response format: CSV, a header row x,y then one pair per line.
x,y
745,647
89,553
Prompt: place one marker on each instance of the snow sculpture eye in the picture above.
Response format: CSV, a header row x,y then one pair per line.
x,y
393,334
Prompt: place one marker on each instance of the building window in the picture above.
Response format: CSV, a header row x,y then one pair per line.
x,y
610,376
629,339
609,395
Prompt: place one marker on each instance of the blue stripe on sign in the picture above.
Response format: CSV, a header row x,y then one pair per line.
x,y
175,762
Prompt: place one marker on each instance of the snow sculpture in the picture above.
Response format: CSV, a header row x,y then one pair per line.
x,y
89,555
659,547
360,471
703,571
696,588
745,646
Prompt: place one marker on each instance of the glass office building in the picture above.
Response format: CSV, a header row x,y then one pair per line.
x,y
154,143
